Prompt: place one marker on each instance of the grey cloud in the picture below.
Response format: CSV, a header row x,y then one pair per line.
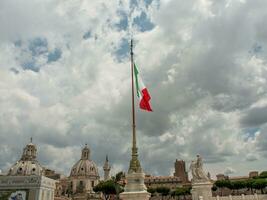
x,y
251,157
255,117
229,170
261,140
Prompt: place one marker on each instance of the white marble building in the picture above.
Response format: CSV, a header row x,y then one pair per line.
x,y
25,178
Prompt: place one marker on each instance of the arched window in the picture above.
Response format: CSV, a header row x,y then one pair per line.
x,y
80,187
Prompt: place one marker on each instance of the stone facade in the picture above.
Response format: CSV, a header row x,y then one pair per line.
x,y
171,182
179,178
36,187
251,174
62,187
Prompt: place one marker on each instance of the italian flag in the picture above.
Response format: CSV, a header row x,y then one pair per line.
x,y
142,92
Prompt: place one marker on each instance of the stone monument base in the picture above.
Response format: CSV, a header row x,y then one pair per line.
x,y
135,188
143,195
201,190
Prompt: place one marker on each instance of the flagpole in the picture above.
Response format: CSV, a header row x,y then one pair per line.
x,y
134,163
135,187
133,108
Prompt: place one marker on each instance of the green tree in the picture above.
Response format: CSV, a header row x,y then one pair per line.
x,y
263,174
182,191
119,176
223,184
237,185
108,188
249,184
214,188
164,191
259,184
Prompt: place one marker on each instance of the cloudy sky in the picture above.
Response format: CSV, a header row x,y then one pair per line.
x,y
65,81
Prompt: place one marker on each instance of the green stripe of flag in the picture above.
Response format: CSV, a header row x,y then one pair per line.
x,y
136,79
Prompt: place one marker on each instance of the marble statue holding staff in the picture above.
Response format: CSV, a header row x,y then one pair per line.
x,y
197,171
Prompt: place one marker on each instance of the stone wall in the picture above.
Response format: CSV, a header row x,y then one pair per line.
x,y
241,197
37,187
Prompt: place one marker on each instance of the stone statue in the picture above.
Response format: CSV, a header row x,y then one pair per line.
x,y
197,171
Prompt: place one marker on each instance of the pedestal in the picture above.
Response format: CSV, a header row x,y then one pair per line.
x,y
135,188
203,190
135,195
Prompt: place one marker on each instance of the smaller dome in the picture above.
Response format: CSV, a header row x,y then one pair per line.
x,y
25,168
85,166
27,165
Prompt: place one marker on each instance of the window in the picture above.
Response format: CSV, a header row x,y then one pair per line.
x,y
80,187
42,192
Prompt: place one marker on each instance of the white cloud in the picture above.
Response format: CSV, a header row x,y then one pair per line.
x,y
198,63
229,171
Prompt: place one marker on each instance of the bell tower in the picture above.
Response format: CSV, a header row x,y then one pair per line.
x,y
106,169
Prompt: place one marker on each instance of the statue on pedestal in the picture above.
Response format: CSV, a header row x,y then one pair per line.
x,y
197,171
201,184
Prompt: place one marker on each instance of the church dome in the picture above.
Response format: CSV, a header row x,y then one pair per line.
x,y
27,165
25,168
85,166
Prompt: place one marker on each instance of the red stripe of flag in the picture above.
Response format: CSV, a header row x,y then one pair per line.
x,y
144,103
